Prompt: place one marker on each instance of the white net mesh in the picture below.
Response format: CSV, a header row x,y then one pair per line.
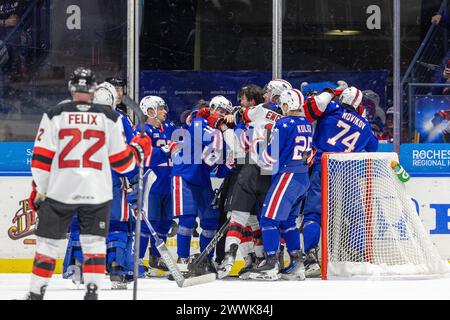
x,y
372,227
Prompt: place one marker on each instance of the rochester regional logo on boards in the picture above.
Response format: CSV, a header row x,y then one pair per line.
x,y
24,223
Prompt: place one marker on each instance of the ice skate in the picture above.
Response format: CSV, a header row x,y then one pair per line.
x,y
296,269
156,267
91,293
251,262
34,296
118,278
228,262
266,270
183,263
312,267
76,275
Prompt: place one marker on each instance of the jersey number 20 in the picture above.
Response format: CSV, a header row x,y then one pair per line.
x,y
348,141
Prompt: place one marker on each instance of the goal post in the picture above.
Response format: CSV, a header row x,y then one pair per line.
x,y
370,226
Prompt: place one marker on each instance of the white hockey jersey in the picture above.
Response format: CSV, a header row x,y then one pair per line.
x,y
76,146
261,119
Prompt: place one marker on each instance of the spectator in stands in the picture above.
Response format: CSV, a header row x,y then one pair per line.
x,y
386,135
10,14
442,74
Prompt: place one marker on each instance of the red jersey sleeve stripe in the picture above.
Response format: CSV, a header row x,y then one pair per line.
x,y
121,161
40,165
42,158
246,117
312,110
43,152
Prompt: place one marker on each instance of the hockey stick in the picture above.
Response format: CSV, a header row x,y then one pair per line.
x,y
141,119
181,281
195,266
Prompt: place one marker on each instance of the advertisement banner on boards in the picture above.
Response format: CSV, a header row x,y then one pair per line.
x,y
17,222
432,119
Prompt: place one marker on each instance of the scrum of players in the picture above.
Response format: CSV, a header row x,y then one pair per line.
x,y
268,152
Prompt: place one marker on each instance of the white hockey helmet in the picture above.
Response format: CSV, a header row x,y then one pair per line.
x,y
276,87
294,100
105,93
352,97
221,102
152,102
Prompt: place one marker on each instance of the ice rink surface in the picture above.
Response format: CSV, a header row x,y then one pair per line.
x,y
13,286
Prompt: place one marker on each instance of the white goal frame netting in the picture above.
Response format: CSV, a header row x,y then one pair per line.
x,y
370,226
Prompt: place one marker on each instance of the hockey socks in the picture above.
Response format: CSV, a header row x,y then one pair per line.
x,y
43,268
270,235
292,238
186,225
44,263
94,248
209,229
311,235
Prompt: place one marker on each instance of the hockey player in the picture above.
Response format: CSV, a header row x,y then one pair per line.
x,y
76,146
157,201
247,196
120,240
192,192
273,90
121,89
249,95
340,127
105,94
288,155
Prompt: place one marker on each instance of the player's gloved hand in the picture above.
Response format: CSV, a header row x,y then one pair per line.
x,y
342,85
171,147
142,143
203,113
36,198
310,157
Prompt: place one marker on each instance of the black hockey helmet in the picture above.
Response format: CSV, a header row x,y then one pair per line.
x,y
118,82
82,80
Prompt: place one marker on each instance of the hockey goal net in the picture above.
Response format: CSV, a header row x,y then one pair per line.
x,y
370,226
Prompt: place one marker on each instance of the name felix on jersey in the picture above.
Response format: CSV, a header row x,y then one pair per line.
x,y
354,119
83,118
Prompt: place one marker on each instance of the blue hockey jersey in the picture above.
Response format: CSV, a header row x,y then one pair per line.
x,y
340,129
202,148
290,145
160,163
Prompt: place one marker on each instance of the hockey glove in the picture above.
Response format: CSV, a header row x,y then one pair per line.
x,y
203,113
342,85
143,144
35,199
171,147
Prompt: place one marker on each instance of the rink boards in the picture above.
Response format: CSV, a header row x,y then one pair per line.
x,y
17,223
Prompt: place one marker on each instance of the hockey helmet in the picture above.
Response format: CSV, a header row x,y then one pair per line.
x,y
106,94
118,82
352,98
152,102
82,80
221,104
276,87
292,100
